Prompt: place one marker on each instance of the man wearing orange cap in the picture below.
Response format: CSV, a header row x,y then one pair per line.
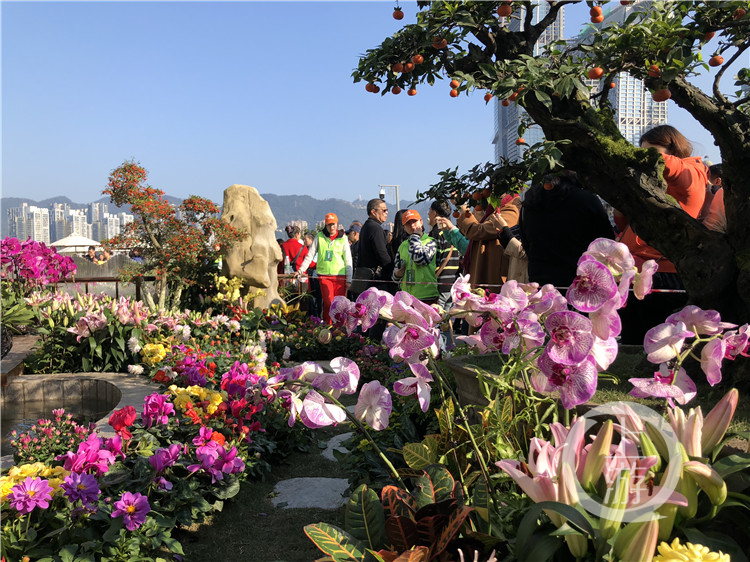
x,y
415,260
334,262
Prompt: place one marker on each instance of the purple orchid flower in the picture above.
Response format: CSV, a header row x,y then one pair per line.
x,y
576,383
316,412
407,309
666,383
700,321
604,352
712,355
374,405
418,384
644,279
605,322
292,402
593,286
664,342
570,337
737,341
367,307
341,313
614,255
412,339
546,301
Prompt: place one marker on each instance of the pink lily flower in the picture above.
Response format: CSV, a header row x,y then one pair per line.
x,y
716,423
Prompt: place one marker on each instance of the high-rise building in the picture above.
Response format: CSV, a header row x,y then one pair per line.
x,y
97,211
110,226
78,223
507,119
38,224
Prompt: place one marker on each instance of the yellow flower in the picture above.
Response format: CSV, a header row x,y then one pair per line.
x,y
6,483
215,399
153,353
688,552
181,400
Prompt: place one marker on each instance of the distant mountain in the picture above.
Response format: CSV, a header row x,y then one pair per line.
x,y
286,208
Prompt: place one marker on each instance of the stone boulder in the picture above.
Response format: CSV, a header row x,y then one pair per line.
x,y
254,259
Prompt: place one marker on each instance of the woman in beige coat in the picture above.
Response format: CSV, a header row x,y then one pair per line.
x,y
485,260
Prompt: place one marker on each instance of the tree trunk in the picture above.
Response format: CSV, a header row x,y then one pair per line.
x,y
631,181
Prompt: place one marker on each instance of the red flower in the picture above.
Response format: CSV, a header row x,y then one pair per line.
x,y
218,437
121,419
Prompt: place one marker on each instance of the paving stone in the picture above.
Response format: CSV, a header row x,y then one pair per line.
x,y
335,444
306,493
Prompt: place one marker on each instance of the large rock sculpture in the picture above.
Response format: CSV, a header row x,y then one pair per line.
x,y
255,258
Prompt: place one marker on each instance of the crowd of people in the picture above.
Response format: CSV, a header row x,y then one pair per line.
x,y
537,237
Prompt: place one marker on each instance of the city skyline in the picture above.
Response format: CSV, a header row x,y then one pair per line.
x,y
207,95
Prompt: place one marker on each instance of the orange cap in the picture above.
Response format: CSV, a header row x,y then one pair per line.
x,y
410,215
331,218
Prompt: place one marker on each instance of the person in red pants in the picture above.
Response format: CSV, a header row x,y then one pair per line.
x,y
333,264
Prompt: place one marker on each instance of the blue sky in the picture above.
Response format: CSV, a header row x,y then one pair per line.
x,y
205,95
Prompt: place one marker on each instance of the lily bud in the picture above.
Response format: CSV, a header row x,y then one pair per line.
x,y
688,488
577,544
658,440
717,421
636,542
650,450
708,479
668,513
615,502
597,456
688,429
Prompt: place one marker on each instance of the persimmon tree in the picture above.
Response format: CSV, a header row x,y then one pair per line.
x,y
176,242
471,43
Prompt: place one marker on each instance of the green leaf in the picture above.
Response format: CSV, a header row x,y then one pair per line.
x,y
732,463
418,455
365,519
481,501
442,482
542,547
68,552
335,542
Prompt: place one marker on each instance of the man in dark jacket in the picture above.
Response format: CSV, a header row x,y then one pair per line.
x,y
373,248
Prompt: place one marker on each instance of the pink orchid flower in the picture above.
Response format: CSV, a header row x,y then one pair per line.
x,y
570,337
699,321
374,405
316,412
664,342
666,383
418,384
593,286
